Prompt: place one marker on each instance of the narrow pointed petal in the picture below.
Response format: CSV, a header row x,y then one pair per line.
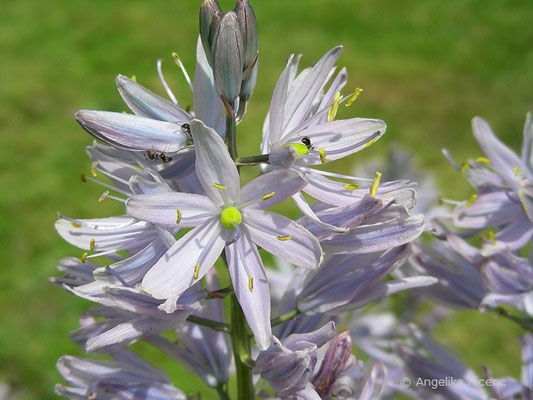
x,y
147,104
171,210
489,209
131,132
503,159
253,293
527,144
303,94
272,188
207,104
340,138
515,235
284,238
177,270
308,212
214,166
376,237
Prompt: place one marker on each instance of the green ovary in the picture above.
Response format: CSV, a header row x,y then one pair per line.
x,y
230,216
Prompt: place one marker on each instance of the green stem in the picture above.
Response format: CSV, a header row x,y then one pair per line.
x,y
222,393
241,351
524,323
285,317
217,326
231,137
254,160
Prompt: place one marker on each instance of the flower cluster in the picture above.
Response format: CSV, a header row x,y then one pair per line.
x,y
190,244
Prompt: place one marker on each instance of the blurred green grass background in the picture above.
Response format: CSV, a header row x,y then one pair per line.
x,y
427,67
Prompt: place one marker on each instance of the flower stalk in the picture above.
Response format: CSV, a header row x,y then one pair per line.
x,y
241,351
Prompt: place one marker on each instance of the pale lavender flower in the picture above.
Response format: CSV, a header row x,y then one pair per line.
x,y
288,365
159,127
127,377
347,282
509,280
504,189
227,218
457,265
300,132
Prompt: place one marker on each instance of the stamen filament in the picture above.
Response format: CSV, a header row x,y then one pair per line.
x,y
117,276
177,60
354,96
164,83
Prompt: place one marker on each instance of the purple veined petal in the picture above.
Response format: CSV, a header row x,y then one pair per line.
x,y
271,188
171,210
121,232
141,185
147,104
527,144
341,194
144,325
336,86
214,167
489,209
283,237
376,237
465,250
80,372
308,212
181,166
304,90
133,133
251,287
277,106
187,261
319,337
516,234
493,300
126,389
503,159
526,200
339,138
527,360
207,104
503,280
308,393
343,217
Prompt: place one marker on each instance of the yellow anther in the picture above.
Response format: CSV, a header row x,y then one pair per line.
x,y
91,244
134,78
334,109
84,257
284,238
196,271
219,186
178,216
492,237
350,186
104,196
251,283
175,56
371,142
471,200
75,225
354,96
483,160
93,168
375,184
464,168
83,178
516,171
268,196
322,153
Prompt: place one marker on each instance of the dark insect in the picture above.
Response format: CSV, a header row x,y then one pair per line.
x,y
153,156
186,128
307,142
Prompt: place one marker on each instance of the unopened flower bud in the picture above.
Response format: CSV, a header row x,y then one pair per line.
x,y
227,57
248,25
210,16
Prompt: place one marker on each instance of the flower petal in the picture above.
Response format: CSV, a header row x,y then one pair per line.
x,y
131,132
376,237
272,188
172,210
251,287
283,237
215,168
177,270
147,104
489,209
